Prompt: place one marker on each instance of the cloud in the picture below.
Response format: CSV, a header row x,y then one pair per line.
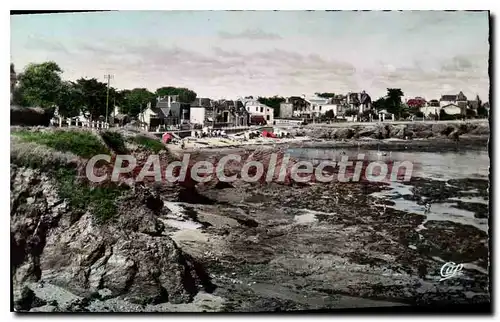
x,y
268,71
458,64
38,43
253,34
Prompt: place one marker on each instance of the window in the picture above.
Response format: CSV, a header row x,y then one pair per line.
x,y
261,109
320,108
267,117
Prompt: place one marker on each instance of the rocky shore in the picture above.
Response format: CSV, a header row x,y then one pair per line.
x,y
236,247
381,131
428,137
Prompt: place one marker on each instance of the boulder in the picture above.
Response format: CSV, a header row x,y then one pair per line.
x,y
54,243
369,131
344,133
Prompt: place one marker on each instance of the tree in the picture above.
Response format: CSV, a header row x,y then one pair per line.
x,y
482,111
470,113
185,94
13,78
380,104
94,97
329,114
136,101
40,84
70,100
393,101
325,95
273,102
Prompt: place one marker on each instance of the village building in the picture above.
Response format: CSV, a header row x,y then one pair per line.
x,y
359,101
286,109
259,113
452,109
227,113
198,110
459,100
168,111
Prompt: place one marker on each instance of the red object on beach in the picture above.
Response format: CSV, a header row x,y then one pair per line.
x,y
268,134
167,137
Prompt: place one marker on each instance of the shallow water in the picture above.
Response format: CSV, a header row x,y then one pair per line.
x,y
435,166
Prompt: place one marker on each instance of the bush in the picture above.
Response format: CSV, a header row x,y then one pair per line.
x,y
419,114
148,143
81,143
470,112
115,141
32,155
79,195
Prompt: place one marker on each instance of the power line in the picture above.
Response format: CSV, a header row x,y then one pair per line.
x,y
108,77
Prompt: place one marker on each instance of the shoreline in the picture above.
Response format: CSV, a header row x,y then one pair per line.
x,y
472,142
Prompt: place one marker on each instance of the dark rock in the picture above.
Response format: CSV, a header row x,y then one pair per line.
x,y
30,116
27,300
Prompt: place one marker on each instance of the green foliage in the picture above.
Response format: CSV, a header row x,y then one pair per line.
x,y
18,97
273,102
380,104
148,143
39,85
81,143
94,97
325,95
136,100
115,141
329,114
482,111
470,112
419,114
70,99
393,101
13,77
81,196
185,94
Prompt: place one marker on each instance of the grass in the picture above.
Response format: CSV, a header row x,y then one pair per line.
x,y
148,143
100,199
115,141
81,143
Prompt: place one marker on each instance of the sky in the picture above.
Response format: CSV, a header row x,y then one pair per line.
x,y
230,54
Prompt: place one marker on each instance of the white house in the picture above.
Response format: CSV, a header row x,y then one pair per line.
x,y
452,109
458,99
317,106
147,115
255,108
197,115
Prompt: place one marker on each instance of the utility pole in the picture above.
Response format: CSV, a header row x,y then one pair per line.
x,y
108,77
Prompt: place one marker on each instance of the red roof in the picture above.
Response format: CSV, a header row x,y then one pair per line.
x,y
416,102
